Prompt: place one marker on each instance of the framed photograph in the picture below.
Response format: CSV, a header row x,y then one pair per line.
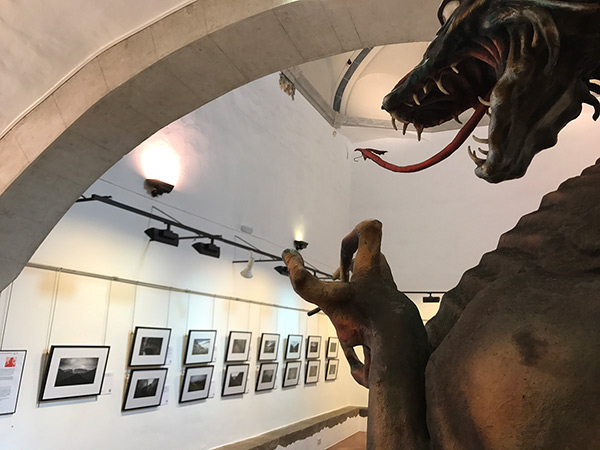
x,y
291,375
332,347
196,383
294,346
312,371
149,346
234,381
269,344
265,381
313,347
11,372
74,371
144,388
200,346
239,346
332,369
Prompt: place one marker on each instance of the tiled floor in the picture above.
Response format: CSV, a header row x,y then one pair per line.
x,y
357,441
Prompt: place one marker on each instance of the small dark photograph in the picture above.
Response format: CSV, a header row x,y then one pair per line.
x,y
197,383
314,346
236,380
146,388
201,347
267,376
294,347
239,346
293,373
270,346
151,346
333,347
76,371
312,372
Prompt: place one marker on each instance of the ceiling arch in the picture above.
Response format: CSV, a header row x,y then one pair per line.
x,y
133,89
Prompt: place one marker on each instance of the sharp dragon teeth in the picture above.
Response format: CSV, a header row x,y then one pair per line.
x,y
419,129
404,128
425,89
457,119
416,99
394,124
477,160
481,140
483,152
483,102
454,68
441,87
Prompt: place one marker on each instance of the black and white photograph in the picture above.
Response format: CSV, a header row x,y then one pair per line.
x,y
144,388
269,345
267,376
332,369
196,383
74,371
332,347
149,346
238,347
312,372
313,347
293,347
234,380
200,346
291,375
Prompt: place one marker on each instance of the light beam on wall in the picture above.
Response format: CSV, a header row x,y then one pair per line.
x,y
161,166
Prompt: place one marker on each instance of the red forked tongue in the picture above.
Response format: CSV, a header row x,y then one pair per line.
x,y
461,137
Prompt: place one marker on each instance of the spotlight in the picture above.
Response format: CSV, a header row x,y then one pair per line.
x,y
157,187
207,249
282,270
300,245
164,236
247,271
431,299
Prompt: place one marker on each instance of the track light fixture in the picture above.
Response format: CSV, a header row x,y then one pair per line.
x,y
282,270
300,245
157,187
431,299
247,271
164,236
208,249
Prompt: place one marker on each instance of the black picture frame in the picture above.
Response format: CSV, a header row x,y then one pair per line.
x,y
291,374
149,346
238,346
332,369
267,376
235,379
196,384
293,347
269,347
333,345
313,347
74,371
313,367
144,388
200,347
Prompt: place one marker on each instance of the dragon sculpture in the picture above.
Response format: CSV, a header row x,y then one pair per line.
x,y
511,360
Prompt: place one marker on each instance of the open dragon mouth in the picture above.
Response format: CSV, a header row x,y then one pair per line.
x,y
508,61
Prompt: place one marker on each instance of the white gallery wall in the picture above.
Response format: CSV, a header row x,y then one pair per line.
x,y
253,157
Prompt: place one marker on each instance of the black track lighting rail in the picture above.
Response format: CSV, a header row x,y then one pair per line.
x,y
198,234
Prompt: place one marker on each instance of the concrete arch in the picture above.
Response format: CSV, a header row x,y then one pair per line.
x,y
159,74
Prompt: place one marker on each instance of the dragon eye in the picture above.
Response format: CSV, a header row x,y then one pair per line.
x,y
446,9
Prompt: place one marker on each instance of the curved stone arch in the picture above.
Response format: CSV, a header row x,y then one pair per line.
x,y
159,74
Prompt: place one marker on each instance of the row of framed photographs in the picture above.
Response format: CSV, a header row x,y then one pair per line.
x,y
150,345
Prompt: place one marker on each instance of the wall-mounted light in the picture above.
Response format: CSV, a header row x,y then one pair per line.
x,y
157,187
164,236
247,271
300,245
208,249
282,270
161,167
431,299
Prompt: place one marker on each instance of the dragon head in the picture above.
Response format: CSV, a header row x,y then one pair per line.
x,y
527,62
